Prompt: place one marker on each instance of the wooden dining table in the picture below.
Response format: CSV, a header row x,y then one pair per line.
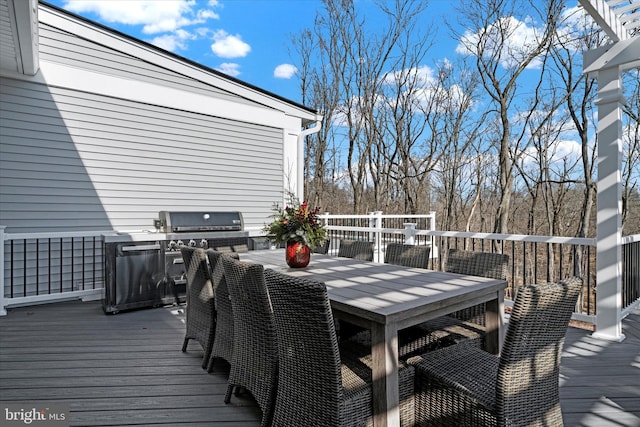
x,y
386,298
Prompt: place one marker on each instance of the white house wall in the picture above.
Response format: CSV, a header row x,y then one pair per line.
x,y
101,140
90,162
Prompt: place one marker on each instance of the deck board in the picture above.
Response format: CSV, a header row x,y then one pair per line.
x,y
117,370
127,369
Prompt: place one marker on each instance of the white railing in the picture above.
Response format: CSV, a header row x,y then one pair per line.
x,y
37,268
43,267
533,258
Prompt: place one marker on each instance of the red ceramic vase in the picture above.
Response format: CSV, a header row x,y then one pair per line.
x,y
298,254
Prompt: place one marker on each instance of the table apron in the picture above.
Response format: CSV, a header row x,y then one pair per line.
x,y
442,309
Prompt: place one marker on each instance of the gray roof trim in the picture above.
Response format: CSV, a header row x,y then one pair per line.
x,y
23,23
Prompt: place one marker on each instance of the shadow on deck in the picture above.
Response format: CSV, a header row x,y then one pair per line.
x,y
127,369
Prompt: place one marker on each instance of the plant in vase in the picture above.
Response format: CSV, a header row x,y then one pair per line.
x,y
299,228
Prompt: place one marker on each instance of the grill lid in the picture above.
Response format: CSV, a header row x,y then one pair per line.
x,y
184,222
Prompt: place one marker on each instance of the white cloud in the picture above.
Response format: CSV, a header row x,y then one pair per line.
x,y
226,45
169,42
418,77
522,37
559,155
173,42
284,71
230,68
154,16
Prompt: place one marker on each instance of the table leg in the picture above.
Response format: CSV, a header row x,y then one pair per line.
x,y
495,324
386,399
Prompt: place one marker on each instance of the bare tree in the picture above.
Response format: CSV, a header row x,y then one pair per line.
x,y
631,161
500,63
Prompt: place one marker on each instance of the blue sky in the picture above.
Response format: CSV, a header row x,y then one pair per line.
x,y
251,39
247,39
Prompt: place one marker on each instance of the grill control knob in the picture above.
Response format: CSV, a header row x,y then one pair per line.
x,y
204,244
171,245
192,243
180,243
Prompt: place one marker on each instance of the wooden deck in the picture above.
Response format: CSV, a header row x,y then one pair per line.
x,y
127,369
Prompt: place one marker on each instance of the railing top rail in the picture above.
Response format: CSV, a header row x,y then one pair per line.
x,y
631,239
511,237
54,235
346,216
365,229
463,234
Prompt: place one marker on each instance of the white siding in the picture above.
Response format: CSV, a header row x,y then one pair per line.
x,y
80,161
61,47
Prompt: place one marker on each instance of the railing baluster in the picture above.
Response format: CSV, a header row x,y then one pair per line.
x,y
37,266
73,264
24,266
12,270
49,264
60,258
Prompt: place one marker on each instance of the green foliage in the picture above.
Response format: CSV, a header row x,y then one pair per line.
x,y
297,223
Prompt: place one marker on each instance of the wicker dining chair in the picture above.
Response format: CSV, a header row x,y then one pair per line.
x,y
254,362
316,386
200,304
468,324
357,249
484,264
462,385
407,255
223,343
322,248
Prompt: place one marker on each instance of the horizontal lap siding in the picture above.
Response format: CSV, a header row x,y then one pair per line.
x,y
91,162
63,48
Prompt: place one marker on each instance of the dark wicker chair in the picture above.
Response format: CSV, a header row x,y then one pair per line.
x,y
361,250
462,385
254,362
323,248
357,249
407,255
316,387
223,342
485,264
469,324
200,306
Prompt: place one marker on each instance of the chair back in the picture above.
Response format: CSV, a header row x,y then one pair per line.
x,y
322,248
199,311
223,343
407,255
485,264
309,379
255,351
357,249
527,389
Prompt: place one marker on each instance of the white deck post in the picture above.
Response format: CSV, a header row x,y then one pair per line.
x,y
375,221
410,233
609,229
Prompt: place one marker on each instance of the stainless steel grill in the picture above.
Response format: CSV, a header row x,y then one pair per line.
x,y
147,269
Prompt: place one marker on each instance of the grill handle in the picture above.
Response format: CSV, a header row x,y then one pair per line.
x,y
140,248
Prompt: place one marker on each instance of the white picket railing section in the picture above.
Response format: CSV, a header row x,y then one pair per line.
x,y
44,267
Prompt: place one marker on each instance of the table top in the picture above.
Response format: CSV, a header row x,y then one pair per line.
x,y
384,292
